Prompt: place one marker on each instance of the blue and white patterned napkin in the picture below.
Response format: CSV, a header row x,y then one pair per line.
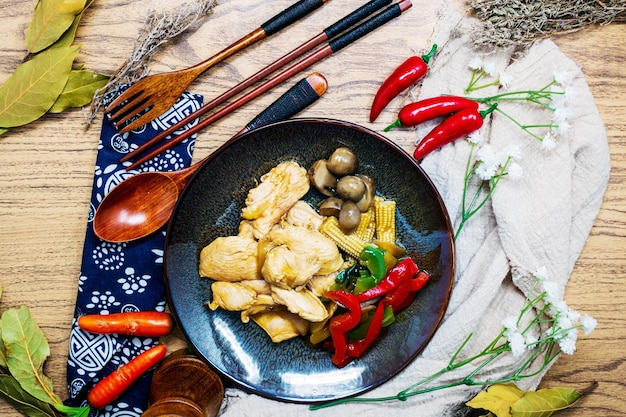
x,y
118,277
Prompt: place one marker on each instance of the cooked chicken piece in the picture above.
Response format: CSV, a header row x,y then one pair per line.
x,y
260,286
319,284
231,296
289,269
277,192
303,240
246,229
262,304
303,215
230,258
301,302
281,325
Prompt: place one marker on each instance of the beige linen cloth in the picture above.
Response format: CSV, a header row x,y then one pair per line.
x,y
539,221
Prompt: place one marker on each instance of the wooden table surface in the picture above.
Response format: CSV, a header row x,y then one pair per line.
x,y
46,167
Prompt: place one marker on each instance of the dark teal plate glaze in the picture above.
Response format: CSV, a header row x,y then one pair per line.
x,y
210,207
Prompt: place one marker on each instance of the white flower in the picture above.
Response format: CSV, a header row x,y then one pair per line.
x,y
548,142
510,323
476,63
567,342
489,68
514,152
589,323
561,115
517,343
505,79
475,138
563,128
558,307
515,171
562,78
554,292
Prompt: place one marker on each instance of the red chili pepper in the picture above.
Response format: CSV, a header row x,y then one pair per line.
x,y
458,125
407,74
342,323
404,270
136,323
114,384
427,109
356,349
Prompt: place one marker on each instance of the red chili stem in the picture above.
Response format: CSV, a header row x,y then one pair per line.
x,y
430,108
405,75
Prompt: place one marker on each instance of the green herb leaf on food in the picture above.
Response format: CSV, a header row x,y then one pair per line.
x,y
25,403
27,350
544,402
51,20
79,90
35,85
73,411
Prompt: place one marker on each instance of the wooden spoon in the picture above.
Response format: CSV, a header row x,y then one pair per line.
x,y
143,203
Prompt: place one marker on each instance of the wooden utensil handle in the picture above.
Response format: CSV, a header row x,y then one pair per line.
x,y
304,93
368,26
290,15
355,17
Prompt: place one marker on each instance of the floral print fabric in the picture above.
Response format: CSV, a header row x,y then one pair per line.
x,y
119,277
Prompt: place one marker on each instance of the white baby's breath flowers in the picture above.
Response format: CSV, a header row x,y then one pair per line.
x,y
475,63
548,142
505,79
515,171
589,323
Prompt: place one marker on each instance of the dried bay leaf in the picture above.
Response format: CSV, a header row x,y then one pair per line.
x,y
79,90
51,20
27,350
544,402
35,85
498,399
13,393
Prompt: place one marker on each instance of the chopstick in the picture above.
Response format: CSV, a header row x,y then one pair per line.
x,y
331,47
330,32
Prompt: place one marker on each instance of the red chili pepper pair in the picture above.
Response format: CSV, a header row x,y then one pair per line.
x,y
398,290
407,74
464,118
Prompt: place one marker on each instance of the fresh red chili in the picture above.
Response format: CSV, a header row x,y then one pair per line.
x,y
427,109
136,323
114,384
405,75
404,270
356,349
459,124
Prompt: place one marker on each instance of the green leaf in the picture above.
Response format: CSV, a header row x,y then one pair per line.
x,y
498,399
51,20
79,90
73,411
35,85
545,402
3,130
27,350
23,402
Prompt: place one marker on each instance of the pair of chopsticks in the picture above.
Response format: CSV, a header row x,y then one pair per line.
x,y
337,40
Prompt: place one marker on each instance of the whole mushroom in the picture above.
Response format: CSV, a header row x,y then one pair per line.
x,y
342,162
322,178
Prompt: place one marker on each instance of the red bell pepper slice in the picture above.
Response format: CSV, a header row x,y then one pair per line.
x,y
342,323
404,270
404,295
356,349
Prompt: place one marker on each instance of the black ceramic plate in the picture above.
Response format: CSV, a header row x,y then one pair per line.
x,y
210,207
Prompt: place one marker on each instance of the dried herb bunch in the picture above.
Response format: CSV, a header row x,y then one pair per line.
x,y
519,22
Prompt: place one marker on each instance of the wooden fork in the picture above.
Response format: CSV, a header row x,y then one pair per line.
x,y
152,96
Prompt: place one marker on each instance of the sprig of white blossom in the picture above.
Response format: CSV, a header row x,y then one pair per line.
x,y
486,166
521,335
